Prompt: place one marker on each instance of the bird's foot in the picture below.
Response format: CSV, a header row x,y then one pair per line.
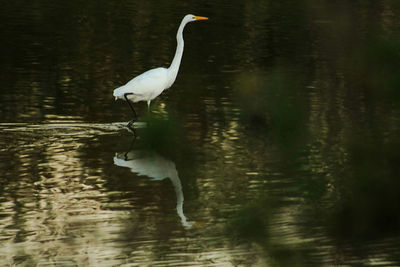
x,y
131,127
130,123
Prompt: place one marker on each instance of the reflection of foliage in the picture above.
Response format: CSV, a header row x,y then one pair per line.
x,y
274,102
375,67
166,136
370,195
349,182
253,224
365,195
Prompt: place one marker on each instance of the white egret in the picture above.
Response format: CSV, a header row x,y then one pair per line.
x,y
152,83
157,168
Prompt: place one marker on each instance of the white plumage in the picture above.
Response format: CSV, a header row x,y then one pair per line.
x,y
152,83
157,168
144,87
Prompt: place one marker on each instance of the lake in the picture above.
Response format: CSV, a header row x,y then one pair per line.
x,y
277,145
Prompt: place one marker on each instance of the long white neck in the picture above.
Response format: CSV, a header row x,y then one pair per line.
x,y
176,62
176,182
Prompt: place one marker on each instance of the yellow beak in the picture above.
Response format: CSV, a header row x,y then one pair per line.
x,y
200,18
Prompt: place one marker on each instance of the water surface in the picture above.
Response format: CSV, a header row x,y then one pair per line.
x,y
276,146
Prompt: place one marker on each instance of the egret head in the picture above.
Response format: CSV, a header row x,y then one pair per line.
x,y
191,17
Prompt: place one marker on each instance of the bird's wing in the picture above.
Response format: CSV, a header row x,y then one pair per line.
x,y
148,164
149,81
145,86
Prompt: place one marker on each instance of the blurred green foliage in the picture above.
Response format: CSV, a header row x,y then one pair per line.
x,y
374,66
350,187
253,224
369,197
274,103
166,136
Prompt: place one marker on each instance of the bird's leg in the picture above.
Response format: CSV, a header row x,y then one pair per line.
x,y
132,142
126,158
148,112
130,105
148,109
148,106
130,124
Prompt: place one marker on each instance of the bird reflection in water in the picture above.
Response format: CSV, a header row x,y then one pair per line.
x,y
157,168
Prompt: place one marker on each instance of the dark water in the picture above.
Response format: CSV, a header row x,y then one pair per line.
x,y
278,144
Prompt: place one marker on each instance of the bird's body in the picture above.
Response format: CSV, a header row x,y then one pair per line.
x,y
144,87
157,168
152,83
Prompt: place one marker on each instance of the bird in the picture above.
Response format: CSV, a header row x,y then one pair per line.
x,y
157,168
150,84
